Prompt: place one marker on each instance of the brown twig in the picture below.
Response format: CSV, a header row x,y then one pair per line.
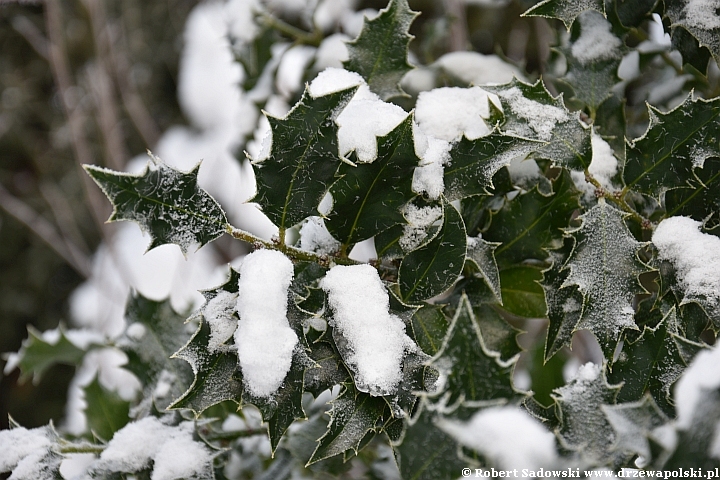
x,y
459,38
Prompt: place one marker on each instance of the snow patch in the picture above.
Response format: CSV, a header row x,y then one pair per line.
x,y
376,339
507,437
434,153
314,237
541,118
702,14
695,256
596,41
218,313
478,69
449,112
264,339
703,374
18,443
419,219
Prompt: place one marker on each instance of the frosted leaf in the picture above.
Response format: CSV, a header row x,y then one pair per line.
x,y
419,219
264,339
584,426
633,423
218,312
507,437
605,267
371,340
701,377
695,256
314,237
448,113
596,41
481,253
541,118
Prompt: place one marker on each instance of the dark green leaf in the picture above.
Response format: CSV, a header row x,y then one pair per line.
x,y
610,124
564,305
497,334
429,325
473,373
522,293
330,370
475,162
584,426
426,452
700,19
692,52
701,201
38,353
303,159
166,203
674,144
106,412
653,363
531,222
154,333
565,10
380,52
632,13
215,379
255,55
605,267
353,415
482,254
695,440
531,112
632,423
432,269
368,198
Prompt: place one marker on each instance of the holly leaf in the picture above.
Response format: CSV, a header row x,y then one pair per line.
x,y
368,197
433,268
471,371
353,415
482,255
42,350
155,332
632,14
429,326
330,370
592,77
531,112
701,201
522,293
564,305
497,334
214,371
695,442
604,266
693,53
426,452
565,10
700,19
380,52
674,144
531,222
166,203
106,412
474,162
652,363
303,159
632,423
583,425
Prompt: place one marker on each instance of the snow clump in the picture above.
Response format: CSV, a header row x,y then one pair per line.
x,y
596,41
695,256
264,339
376,339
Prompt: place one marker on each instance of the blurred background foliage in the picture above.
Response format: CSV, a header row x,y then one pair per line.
x,y
95,81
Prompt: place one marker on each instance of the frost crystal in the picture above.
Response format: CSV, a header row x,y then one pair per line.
x,y
695,256
507,437
702,13
264,339
218,313
541,118
376,339
596,41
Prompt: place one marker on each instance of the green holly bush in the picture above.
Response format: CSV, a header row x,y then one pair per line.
x,y
570,252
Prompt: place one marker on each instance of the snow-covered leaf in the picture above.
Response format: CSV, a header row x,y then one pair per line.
x,y
154,333
653,362
303,159
632,423
354,414
432,269
532,222
470,371
531,112
380,52
368,198
605,267
565,10
475,162
106,412
700,200
675,143
584,426
166,203
701,19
